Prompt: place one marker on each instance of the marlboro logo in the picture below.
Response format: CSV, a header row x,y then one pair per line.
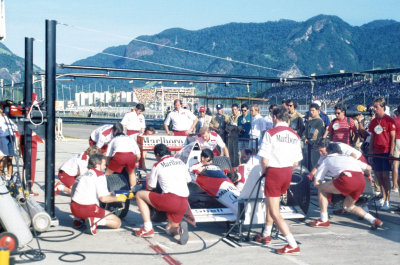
x,y
169,141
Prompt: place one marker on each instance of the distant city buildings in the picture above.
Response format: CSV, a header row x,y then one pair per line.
x,y
153,96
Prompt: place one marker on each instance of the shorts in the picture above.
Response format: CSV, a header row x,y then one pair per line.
x,y
180,133
381,164
350,183
174,205
7,145
277,181
397,149
86,211
121,160
66,179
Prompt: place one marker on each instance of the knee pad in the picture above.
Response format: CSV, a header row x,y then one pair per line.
x,y
348,208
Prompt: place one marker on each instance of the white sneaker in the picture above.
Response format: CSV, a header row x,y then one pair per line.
x,y
395,190
386,206
379,203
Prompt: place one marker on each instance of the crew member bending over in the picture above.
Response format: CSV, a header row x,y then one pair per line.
x,y
211,140
349,181
173,176
346,149
123,152
103,135
73,168
89,190
280,152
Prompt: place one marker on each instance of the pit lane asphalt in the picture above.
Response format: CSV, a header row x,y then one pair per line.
x,y
348,240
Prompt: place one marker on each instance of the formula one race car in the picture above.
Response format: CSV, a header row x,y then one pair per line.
x,y
215,198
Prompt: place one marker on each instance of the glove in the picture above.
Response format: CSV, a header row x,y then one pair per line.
x,y
131,195
121,198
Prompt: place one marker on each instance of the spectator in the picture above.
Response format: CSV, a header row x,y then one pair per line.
x,y
219,121
258,127
396,153
244,122
232,130
340,127
268,118
382,143
295,118
204,119
314,130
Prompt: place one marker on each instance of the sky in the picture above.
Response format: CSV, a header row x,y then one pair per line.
x,y
87,27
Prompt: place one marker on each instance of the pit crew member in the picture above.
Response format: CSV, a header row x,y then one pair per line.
x,y
123,152
172,175
280,152
349,181
103,135
89,190
73,168
183,120
134,121
211,140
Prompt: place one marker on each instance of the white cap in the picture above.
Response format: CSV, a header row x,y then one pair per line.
x,y
317,102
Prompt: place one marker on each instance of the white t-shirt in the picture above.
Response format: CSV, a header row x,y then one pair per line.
x,y
172,174
334,164
90,187
76,165
215,140
102,135
182,120
134,122
281,145
258,125
122,144
347,150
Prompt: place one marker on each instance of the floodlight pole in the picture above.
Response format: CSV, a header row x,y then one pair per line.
x,y
50,108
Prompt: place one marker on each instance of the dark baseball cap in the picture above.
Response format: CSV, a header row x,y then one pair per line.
x,y
220,106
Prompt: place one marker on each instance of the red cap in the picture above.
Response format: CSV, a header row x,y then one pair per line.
x,y
202,108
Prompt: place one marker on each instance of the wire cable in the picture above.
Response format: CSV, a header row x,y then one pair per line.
x,y
228,59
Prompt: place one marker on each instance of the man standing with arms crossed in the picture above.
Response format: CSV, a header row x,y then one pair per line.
x,y
280,152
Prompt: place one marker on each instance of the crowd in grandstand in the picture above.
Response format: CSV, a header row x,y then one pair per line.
x,y
333,91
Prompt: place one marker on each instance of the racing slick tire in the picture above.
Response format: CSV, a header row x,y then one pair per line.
x,y
299,192
117,182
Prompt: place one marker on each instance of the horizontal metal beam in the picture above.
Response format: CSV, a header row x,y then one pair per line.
x,y
110,69
153,79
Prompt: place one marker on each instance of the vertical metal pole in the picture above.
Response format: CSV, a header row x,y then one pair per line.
x,y
50,107
28,103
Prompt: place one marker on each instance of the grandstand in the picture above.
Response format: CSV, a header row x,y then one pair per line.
x,y
347,89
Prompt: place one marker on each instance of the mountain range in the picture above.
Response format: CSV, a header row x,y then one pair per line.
x,y
322,44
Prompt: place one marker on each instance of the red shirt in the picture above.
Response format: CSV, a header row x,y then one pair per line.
x,y
397,123
340,130
382,139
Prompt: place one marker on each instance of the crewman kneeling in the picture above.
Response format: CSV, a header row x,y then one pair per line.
x,y
89,190
349,181
173,176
